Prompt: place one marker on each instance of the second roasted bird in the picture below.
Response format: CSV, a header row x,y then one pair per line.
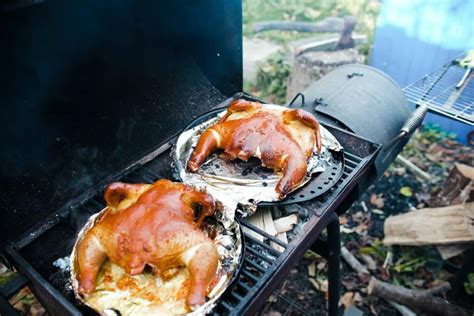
x,y
283,140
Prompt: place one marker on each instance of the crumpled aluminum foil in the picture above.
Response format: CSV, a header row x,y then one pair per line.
x,y
110,300
237,183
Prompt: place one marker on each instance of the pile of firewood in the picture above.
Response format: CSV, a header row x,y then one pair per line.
x,y
448,223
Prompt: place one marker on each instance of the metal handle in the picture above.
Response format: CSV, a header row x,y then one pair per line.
x,y
411,124
414,120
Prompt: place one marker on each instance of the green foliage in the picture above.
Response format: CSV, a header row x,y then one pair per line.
x,y
469,285
365,11
434,133
377,249
273,89
6,276
409,266
272,78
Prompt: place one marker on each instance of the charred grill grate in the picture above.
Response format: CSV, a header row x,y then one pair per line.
x,y
448,91
263,267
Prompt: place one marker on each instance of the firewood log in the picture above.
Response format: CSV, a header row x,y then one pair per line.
x,y
431,226
415,299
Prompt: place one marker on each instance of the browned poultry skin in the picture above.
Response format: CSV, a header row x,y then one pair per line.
x,y
157,228
266,135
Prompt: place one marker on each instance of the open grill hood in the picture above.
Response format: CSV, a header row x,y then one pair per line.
x,y
87,87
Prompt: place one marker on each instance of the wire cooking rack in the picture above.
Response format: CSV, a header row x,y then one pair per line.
x,y
448,91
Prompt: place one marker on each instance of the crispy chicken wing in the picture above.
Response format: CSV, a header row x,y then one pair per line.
x,y
282,140
155,225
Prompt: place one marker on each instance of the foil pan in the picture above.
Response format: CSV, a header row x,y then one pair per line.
x,y
118,293
241,185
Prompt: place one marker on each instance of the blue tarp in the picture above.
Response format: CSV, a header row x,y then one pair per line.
x,y
413,38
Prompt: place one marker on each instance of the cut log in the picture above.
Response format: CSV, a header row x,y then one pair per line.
x,y
414,299
311,66
431,226
440,289
457,188
286,223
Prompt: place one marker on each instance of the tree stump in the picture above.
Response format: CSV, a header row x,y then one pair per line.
x,y
311,66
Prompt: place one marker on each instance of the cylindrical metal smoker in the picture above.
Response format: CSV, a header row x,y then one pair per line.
x,y
367,102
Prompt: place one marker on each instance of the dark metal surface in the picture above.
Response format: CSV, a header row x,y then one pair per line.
x,y
262,268
88,87
319,184
334,262
365,101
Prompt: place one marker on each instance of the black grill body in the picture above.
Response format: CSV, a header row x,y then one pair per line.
x,y
97,92
88,87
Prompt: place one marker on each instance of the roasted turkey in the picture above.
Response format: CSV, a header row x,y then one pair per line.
x,y
283,140
155,225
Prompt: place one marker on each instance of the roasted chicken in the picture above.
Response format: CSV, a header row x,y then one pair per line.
x,y
151,225
282,140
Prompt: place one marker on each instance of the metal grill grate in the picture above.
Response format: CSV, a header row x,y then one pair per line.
x,y
263,266
440,92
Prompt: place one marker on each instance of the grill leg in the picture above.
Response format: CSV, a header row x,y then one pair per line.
x,y
334,262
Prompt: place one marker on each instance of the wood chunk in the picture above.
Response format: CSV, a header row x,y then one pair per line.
x,y
431,226
268,225
256,220
312,269
457,188
286,223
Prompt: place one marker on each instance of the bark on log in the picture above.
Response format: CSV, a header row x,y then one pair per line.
x,y
431,226
440,289
311,66
414,299
457,188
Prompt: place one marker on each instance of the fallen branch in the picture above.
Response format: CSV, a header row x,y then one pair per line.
x,y
413,168
361,269
403,310
353,262
440,289
330,24
414,299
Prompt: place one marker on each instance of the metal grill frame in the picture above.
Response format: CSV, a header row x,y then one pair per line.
x,y
439,92
241,297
